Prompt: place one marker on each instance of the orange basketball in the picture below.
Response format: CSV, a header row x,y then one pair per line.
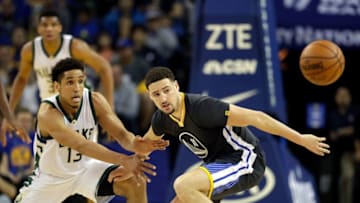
x,y
322,62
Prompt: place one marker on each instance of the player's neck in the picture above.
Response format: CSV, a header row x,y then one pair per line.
x,y
179,110
51,47
70,111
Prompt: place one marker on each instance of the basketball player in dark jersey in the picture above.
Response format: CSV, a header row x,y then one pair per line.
x,y
216,132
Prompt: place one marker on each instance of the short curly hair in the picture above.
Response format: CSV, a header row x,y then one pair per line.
x,y
65,65
49,13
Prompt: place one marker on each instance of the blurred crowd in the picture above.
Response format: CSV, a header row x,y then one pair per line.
x,y
133,35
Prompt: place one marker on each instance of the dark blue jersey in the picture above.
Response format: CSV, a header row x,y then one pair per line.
x,y
203,129
19,154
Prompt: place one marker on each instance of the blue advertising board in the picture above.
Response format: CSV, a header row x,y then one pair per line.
x,y
302,21
235,54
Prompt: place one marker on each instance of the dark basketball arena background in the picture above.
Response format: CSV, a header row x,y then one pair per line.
x,y
245,52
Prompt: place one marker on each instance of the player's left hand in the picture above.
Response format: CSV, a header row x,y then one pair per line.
x,y
122,174
134,165
315,144
146,146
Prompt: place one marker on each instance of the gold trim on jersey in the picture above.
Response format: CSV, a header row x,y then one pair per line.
x,y
182,116
210,179
227,113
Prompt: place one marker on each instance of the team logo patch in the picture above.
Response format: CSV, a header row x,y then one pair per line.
x,y
193,144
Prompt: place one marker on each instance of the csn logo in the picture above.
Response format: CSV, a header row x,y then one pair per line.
x,y
255,193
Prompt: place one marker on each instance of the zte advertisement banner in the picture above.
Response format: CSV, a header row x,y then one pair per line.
x,y
235,54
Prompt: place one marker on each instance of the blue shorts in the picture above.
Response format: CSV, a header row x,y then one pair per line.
x,y
227,178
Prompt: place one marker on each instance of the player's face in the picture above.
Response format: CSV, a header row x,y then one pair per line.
x,y
26,119
49,28
165,95
71,88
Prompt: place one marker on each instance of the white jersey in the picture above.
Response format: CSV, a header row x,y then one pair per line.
x,y
43,63
54,159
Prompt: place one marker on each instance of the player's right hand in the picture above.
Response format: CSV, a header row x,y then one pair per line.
x,y
146,146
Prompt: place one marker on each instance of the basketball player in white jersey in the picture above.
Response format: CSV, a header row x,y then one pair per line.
x,y
68,160
42,53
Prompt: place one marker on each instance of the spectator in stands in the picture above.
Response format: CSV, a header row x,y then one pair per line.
x,y
105,45
18,39
341,125
356,189
160,36
85,26
139,36
132,64
178,22
126,98
17,159
124,26
8,18
7,62
123,8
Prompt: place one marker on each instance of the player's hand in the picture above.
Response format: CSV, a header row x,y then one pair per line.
x,y
21,132
315,144
120,174
133,165
11,128
146,146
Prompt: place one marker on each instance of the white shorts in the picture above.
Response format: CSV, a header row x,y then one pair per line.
x,y
46,188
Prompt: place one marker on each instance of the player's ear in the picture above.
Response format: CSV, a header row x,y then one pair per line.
x,y
176,85
61,28
56,86
38,28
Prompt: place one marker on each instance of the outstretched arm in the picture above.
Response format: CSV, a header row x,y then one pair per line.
x,y
6,112
4,106
85,54
113,125
22,76
16,92
243,117
69,137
